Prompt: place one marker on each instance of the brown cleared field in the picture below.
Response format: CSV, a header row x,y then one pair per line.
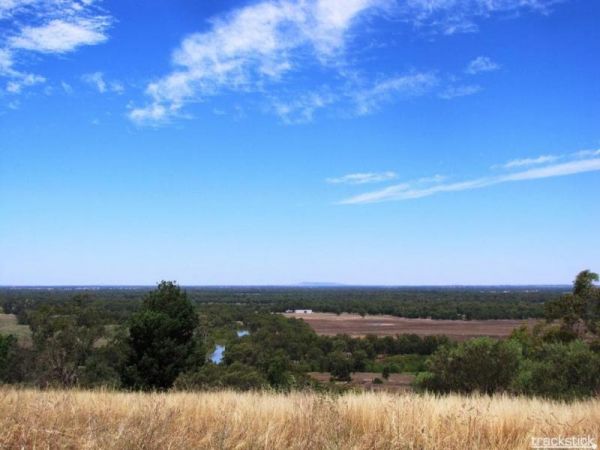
x,y
31,419
330,324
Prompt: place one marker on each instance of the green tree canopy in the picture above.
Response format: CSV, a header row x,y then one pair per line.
x,y
578,311
162,339
480,364
64,340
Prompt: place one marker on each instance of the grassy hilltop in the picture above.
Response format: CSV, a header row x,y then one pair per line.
x,y
228,420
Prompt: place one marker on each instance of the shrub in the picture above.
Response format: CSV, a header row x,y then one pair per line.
x,y
481,364
8,356
563,371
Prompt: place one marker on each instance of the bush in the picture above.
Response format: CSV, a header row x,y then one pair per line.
x,y
8,356
481,364
211,376
340,367
563,371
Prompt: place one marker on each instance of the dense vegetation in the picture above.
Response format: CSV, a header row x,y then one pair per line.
x,y
164,342
118,303
157,339
559,359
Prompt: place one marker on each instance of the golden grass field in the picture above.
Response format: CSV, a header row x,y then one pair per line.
x,y
228,420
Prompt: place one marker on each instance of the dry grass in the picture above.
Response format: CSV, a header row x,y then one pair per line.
x,y
228,420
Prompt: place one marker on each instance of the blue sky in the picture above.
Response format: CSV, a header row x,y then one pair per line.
x,y
362,142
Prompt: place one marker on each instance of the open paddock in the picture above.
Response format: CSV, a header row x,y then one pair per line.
x,y
330,324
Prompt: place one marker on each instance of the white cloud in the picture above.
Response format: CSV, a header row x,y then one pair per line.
x,y
544,159
587,153
555,170
303,108
153,114
60,36
6,62
406,191
16,85
117,87
9,7
96,80
363,178
414,84
254,45
48,27
266,42
481,64
66,87
460,16
459,91
412,190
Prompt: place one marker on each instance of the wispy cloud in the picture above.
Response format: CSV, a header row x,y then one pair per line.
x,y
257,48
459,91
66,87
523,162
302,108
96,80
46,27
61,36
410,85
461,16
481,64
363,178
587,153
15,85
253,45
413,190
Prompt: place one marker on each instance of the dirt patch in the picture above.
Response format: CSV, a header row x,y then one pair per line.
x,y
330,324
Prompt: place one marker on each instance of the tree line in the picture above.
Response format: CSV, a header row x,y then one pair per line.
x,y
165,343
438,303
163,340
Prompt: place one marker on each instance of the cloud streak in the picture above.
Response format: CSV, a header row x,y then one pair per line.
x,y
460,91
523,162
408,191
411,85
363,178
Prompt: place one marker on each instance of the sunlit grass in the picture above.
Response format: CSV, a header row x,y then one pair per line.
x,y
112,420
